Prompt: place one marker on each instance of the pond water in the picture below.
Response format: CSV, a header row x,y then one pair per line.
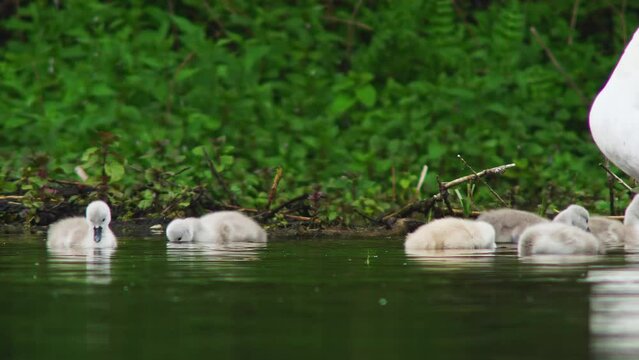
x,y
313,298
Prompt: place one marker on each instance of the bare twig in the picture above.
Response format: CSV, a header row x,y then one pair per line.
x,y
351,30
169,98
261,218
422,177
619,180
370,219
558,66
492,171
358,24
178,172
11,197
219,178
394,183
273,192
573,21
268,214
443,192
427,203
492,191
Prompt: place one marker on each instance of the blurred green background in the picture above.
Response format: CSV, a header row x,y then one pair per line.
x,y
340,94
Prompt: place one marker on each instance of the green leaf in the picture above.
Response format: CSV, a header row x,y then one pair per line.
x,y
366,95
115,170
226,160
186,73
198,150
404,183
340,104
102,90
145,204
88,153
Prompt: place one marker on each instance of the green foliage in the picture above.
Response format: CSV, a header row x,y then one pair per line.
x,y
337,94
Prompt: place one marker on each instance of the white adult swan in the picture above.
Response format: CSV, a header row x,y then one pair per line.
x,y
91,231
217,227
452,233
567,234
614,115
631,224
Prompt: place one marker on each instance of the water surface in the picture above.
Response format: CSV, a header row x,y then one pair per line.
x,y
313,298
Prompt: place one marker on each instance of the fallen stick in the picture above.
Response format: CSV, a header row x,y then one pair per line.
x,y
427,203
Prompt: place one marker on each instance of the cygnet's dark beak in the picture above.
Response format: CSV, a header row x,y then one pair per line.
x,y
97,234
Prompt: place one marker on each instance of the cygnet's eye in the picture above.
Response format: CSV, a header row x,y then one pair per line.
x,y
103,219
180,238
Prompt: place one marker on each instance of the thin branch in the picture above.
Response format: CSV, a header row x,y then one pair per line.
x,y
443,192
11,197
619,180
422,177
219,178
261,218
171,89
427,203
273,192
573,21
269,214
498,170
558,66
358,24
484,181
370,219
178,172
394,183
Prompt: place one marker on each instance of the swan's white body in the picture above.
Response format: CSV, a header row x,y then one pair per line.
x,y
510,223
217,227
80,232
631,224
614,115
452,233
567,234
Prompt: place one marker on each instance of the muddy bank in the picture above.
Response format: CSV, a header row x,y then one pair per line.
x,y
155,227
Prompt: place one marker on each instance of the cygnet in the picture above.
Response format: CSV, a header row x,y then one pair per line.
x,y
567,234
217,227
510,223
452,233
91,231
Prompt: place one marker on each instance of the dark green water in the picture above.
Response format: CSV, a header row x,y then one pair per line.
x,y
312,298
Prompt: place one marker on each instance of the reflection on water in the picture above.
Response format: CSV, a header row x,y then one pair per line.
x,y
560,259
318,298
92,264
238,251
451,258
614,318
227,262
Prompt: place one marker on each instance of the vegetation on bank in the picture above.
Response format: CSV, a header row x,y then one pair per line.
x,y
183,106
